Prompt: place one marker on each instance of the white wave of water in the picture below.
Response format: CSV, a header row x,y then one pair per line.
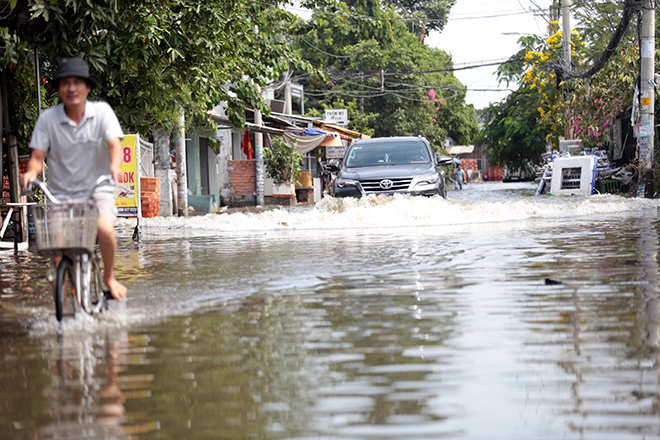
x,y
483,204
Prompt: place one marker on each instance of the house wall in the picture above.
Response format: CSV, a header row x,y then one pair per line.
x,y
203,176
223,165
494,174
192,159
243,183
471,168
479,168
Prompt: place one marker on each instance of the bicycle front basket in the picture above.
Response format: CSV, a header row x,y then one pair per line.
x,y
69,226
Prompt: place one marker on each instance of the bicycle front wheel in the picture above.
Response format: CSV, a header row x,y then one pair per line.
x,y
96,298
65,289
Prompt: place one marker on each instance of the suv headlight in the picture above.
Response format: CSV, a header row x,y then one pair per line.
x,y
428,178
346,182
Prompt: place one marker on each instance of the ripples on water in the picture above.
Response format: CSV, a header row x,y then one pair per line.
x,y
381,318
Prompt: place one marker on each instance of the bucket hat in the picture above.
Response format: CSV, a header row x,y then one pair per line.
x,y
73,67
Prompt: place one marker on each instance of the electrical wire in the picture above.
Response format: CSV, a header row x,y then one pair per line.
x,y
403,19
565,72
362,75
324,52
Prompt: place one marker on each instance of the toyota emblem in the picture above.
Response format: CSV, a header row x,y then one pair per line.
x,y
386,184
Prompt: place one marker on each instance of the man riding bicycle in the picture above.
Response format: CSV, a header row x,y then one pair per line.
x,y
82,140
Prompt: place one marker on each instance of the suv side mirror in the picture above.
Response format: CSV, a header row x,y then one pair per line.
x,y
444,161
332,166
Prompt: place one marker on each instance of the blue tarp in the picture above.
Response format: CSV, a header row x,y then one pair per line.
x,y
310,132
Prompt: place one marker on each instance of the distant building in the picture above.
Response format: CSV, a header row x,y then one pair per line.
x,y
474,162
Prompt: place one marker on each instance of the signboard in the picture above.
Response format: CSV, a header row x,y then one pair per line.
x,y
23,163
336,116
128,189
569,146
296,90
646,130
335,152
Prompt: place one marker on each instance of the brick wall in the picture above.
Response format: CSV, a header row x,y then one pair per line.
x,y
243,178
495,174
469,164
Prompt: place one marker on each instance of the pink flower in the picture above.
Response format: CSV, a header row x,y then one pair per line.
x,y
432,94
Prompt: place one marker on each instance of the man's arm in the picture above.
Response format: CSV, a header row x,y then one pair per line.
x,y
35,166
114,150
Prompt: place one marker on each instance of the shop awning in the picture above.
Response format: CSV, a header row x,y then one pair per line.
x,y
460,149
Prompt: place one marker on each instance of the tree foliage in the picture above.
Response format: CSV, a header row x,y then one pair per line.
x,y
156,58
512,133
402,86
431,14
585,108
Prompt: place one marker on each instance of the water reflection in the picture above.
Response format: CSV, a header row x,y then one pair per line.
x,y
417,333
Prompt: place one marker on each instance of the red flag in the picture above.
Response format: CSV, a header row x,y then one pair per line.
x,y
247,145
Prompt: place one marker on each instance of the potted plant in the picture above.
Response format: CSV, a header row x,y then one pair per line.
x,y
283,164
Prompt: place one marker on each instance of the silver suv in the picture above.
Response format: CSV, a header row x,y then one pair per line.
x,y
388,166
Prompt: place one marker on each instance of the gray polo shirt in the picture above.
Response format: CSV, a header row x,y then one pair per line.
x,y
77,154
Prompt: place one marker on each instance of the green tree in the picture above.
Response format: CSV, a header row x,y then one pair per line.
x,y
586,106
155,59
405,87
512,134
431,14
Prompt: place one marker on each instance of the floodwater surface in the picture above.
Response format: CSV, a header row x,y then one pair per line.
x,y
491,315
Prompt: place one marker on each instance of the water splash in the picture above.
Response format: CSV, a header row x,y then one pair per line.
x,y
403,211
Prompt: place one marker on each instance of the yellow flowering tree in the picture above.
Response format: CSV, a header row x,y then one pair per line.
x,y
584,107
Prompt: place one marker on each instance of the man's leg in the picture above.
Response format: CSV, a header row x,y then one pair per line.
x,y
108,245
105,202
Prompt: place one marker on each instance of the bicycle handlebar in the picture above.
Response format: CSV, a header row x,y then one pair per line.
x,y
106,178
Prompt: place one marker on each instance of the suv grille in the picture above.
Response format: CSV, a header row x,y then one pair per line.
x,y
374,186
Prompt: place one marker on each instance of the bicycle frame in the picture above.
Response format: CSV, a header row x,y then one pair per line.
x,y
84,272
87,272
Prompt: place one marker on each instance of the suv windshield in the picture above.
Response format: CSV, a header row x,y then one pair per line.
x,y
394,153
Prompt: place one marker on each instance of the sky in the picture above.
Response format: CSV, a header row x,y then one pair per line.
x,y
483,31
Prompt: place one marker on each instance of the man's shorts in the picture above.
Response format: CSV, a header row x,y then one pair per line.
x,y
105,203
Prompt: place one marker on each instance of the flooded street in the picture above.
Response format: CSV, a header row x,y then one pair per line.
x,y
491,315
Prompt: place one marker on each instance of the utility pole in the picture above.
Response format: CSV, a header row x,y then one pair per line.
x,y
181,169
646,136
287,98
566,20
554,15
566,55
259,156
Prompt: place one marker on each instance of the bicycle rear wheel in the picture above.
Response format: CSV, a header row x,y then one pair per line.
x,y
65,289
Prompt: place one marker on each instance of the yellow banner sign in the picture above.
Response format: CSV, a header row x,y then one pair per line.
x,y
128,191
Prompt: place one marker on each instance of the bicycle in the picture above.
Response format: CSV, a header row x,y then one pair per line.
x,y
68,229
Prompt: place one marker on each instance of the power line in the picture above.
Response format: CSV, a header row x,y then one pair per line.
x,y
403,19
565,72
324,52
396,93
361,75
